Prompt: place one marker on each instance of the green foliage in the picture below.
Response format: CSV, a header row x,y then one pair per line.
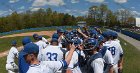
x,y
97,15
102,15
40,18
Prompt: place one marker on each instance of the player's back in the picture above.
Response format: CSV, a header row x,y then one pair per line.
x,y
46,67
52,53
117,51
115,48
95,63
41,44
12,54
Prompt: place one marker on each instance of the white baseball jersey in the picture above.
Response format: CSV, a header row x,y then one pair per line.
x,y
108,57
46,67
74,63
98,65
81,53
12,54
116,50
11,66
117,40
52,53
42,45
44,39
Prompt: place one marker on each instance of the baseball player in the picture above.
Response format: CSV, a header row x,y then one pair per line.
x,y
106,54
35,36
73,67
42,45
30,54
11,66
59,38
95,63
117,53
23,66
53,52
115,36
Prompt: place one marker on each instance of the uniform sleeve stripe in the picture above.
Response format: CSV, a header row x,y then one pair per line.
x,y
64,63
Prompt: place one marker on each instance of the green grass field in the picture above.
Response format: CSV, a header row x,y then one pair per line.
x,y
5,43
131,59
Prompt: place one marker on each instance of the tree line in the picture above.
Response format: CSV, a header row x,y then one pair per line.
x,y
97,15
102,15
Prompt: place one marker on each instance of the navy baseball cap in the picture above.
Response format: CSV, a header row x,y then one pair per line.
x,y
30,48
54,40
92,42
114,34
35,35
13,42
55,35
100,38
40,37
26,40
77,42
60,30
107,33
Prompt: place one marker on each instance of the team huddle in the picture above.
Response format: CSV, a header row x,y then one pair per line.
x,y
80,50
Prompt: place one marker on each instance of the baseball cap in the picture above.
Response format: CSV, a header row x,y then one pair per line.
x,y
40,37
60,30
107,33
35,35
30,48
91,42
26,40
114,34
100,38
54,40
13,42
55,35
77,42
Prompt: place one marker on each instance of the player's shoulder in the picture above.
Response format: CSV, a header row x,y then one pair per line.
x,y
73,52
13,49
33,70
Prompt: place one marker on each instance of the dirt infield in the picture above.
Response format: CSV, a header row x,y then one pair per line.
x,y
47,33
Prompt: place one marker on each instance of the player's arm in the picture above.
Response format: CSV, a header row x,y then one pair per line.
x,y
69,56
120,63
71,65
81,47
68,71
85,36
111,69
110,61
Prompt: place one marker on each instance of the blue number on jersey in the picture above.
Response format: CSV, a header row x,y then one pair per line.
x,y
52,56
112,49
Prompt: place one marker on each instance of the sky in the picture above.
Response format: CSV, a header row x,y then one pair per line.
x,y
73,7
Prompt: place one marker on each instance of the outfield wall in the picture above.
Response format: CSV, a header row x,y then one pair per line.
x,y
129,33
